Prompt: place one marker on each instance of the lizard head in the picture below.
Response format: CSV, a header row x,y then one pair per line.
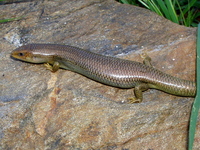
x,y
29,53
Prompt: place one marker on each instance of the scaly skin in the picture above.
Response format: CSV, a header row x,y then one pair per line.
x,y
108,70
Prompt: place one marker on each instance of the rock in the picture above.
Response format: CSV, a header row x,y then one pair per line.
x,y
14,1
64,110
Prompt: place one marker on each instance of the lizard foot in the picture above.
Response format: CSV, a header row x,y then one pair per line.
x,y
132,100
144,55
48,66
146,59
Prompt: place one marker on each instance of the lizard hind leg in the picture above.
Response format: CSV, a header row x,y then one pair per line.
x,y
138,93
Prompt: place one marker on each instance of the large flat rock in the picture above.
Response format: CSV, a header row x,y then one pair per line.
x,y
64,110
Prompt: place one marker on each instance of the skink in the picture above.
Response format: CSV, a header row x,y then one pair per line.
x,y
108,70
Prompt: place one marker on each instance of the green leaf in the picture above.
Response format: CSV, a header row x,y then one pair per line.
x,y
196,104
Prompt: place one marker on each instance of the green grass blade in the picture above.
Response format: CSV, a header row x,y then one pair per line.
x,y
190,18
155,7
150,4
125,1
196,104
10,19
189,5
187,18
181,17
7,20
143,2
172,12
164,9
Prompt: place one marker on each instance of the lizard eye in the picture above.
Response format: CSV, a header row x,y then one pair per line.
x,y
21,54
